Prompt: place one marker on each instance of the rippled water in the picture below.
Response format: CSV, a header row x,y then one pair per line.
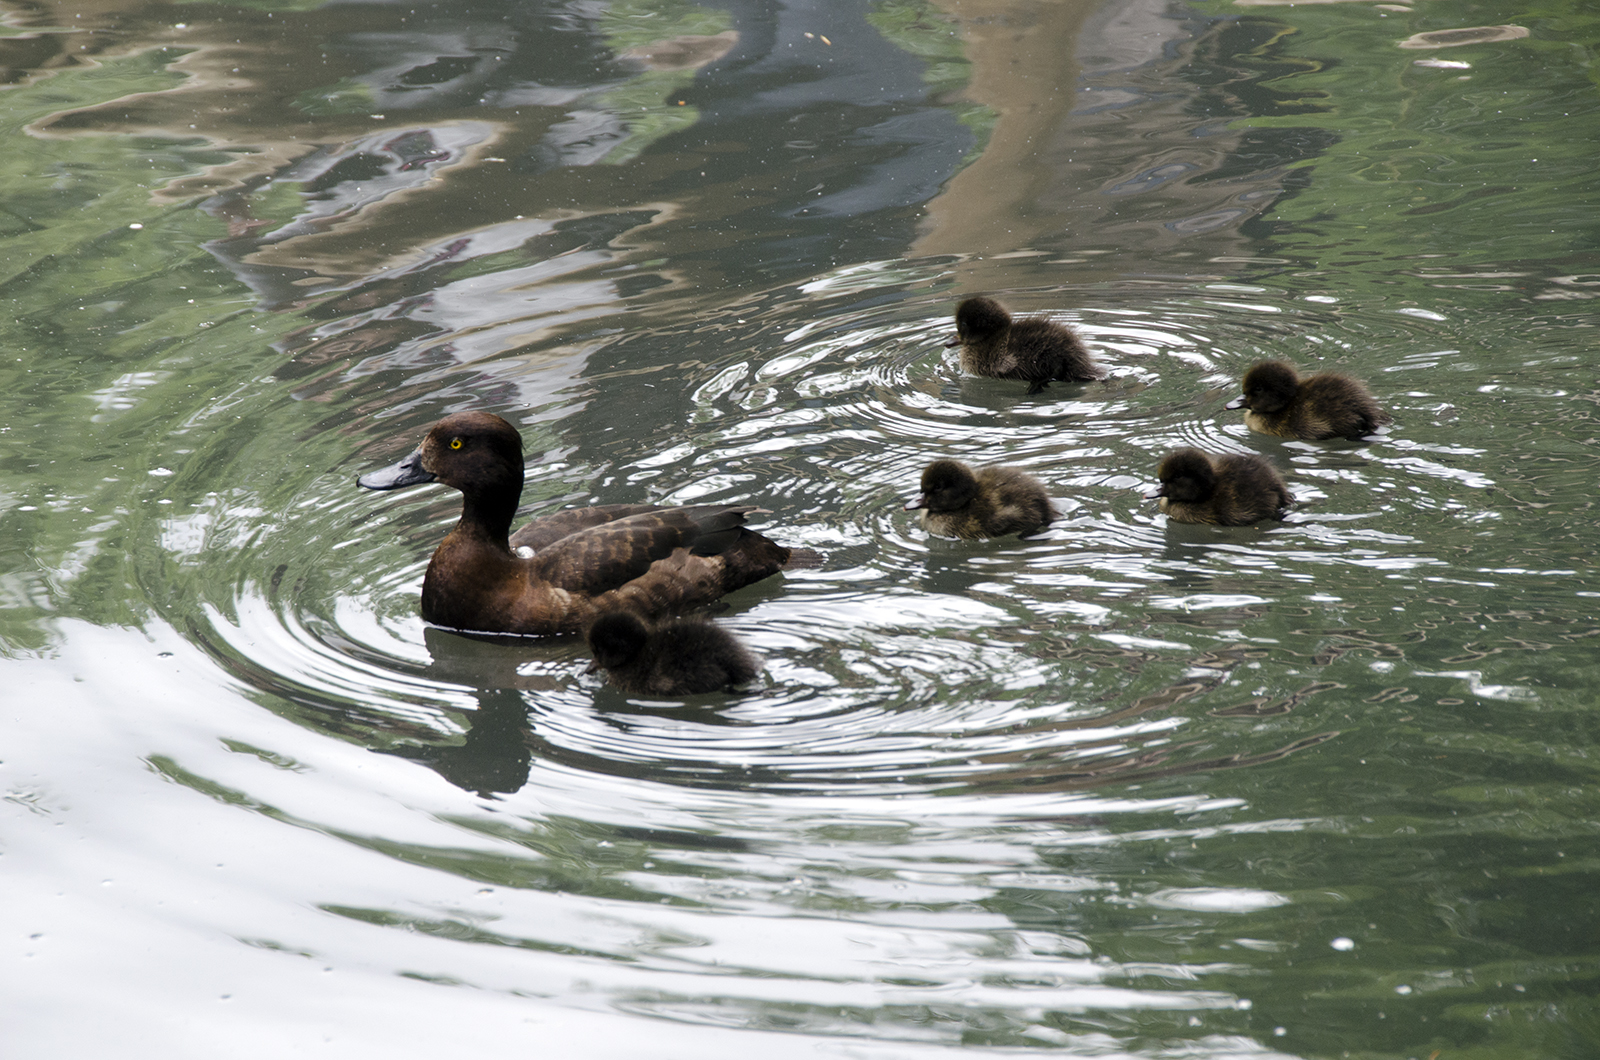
x,y
1122,788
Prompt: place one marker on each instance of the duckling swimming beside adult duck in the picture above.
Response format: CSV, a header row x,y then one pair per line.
x,y
558,572
990,502
1327,405
679,657
1230,490
1034,349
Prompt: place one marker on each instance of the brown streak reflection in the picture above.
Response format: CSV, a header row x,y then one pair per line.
x,y
1019,68
1263,707
1057,778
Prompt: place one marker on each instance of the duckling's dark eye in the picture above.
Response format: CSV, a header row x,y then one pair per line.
x,y
455,443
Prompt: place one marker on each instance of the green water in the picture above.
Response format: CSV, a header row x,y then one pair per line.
x,y
1318,789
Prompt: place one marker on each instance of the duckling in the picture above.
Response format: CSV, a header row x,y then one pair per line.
x,y
557,573
991,502
1230,490
1034,348
1328,405
680,657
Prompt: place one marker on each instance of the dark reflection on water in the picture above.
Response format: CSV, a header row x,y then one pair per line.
x,y
803,153
493,755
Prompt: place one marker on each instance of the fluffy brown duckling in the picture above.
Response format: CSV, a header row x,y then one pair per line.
x,y
990,502
1230,490
1327,405
679,657
1034,349
557,573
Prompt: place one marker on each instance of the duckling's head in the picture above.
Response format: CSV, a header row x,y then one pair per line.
x,y
947,486
1268,388
615,639
1187,476
474,452
979,318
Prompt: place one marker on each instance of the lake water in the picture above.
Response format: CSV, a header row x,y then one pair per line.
x,y
1123,789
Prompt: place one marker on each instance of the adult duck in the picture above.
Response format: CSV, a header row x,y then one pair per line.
x,y
957,501
558,573
1235,489
1034,349
1327,405
678,657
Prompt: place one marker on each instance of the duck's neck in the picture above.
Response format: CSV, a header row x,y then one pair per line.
x,y
487,516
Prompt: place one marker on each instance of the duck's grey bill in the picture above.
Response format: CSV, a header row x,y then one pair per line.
x,y
1236,403
407,472
919,501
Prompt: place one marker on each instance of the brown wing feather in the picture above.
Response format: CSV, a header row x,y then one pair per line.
x,y
547,530
606,557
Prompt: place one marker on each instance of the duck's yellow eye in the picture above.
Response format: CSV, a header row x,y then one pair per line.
x,y
455,443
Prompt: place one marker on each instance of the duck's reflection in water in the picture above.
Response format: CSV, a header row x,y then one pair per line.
x,y
1115,746
494,757
495,754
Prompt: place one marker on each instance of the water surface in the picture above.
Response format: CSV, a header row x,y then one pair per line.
x,y
1120,789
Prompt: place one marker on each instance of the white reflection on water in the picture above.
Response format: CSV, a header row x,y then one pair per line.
x,y
1215,899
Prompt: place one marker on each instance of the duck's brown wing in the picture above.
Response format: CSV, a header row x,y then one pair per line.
x,y
547,530
607,556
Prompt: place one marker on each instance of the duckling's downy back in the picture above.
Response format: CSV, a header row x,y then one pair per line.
x,y
1034,349
990,502
1327,405
1234,489
679,657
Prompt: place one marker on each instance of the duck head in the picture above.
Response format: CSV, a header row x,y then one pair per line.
x,y
469,451
1268,388
1187,476
979,318
947,486
615,639
479,454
